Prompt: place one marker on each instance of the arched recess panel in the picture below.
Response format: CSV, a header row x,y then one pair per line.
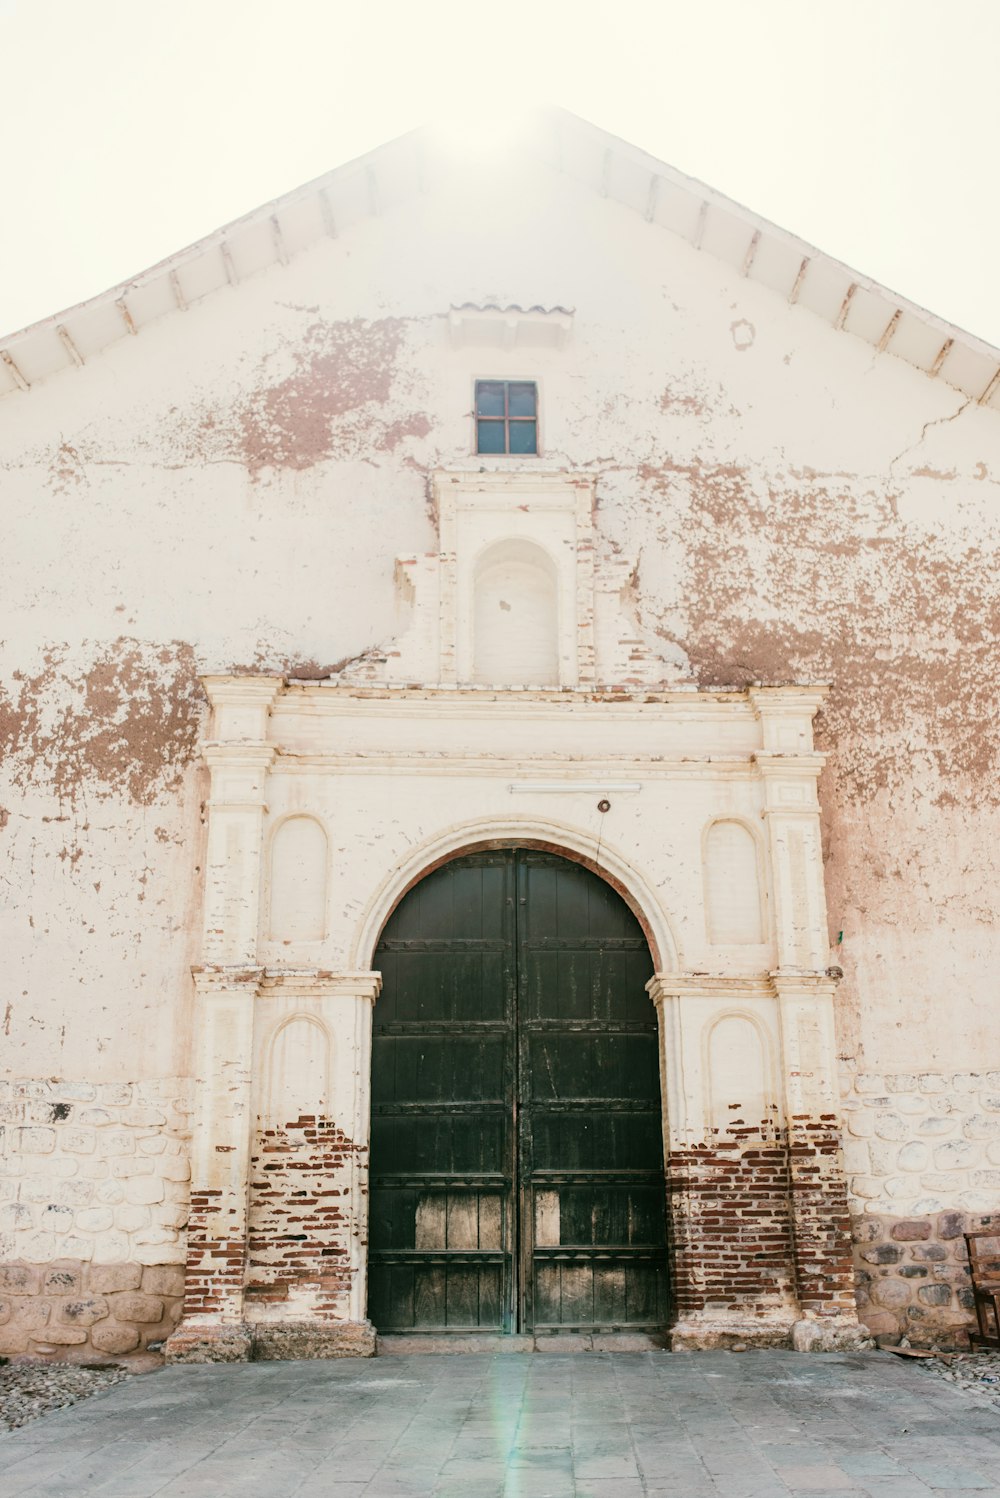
x,y
516,616
297,1072
733,913
297,1260
297,907
739,1088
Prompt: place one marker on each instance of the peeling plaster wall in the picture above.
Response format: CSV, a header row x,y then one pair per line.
x,y
230,490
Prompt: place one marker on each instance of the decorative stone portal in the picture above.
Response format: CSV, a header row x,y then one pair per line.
x,y
330,800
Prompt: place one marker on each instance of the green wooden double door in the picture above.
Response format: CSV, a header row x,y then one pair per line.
x,y
516,1148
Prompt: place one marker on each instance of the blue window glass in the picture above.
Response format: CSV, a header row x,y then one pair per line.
x,y
490,437
523,437
490,398
520,400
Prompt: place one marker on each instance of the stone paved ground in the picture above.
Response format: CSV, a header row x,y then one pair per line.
x,y
753,1425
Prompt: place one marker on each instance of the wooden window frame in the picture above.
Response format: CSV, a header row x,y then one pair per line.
x,y
506,421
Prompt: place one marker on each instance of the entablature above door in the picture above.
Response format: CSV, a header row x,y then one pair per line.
x,y
705,798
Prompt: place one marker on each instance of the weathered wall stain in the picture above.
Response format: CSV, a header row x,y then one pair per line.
x,y
336,388
818,582
126,726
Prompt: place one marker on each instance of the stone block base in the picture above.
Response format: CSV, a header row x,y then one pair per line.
x,y
269,1341
282,1340
730,1333
72,1311
838,1334
195,1342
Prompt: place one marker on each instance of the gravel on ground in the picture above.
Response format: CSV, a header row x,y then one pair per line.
x,y
973,1371
28,1390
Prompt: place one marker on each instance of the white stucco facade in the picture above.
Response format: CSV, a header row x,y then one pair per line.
x,y
253,693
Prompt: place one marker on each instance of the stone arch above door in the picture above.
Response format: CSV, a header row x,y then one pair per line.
x,y
530,832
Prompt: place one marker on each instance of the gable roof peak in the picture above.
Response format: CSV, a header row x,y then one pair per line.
x,y
370,185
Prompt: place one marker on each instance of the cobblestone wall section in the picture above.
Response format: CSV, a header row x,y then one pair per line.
x,y
915,1145
913,1277
94,1186
922,1155
71,1309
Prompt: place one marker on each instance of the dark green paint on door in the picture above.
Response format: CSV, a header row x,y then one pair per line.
x,y
516,1151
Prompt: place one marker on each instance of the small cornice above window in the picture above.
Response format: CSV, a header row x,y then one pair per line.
x,y
490,326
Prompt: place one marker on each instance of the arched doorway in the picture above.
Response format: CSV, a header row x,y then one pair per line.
x,y
516,1146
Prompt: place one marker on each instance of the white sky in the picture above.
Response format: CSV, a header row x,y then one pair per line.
x,y
132,127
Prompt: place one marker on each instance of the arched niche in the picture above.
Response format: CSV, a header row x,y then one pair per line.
x,y
740,1095
297,1071
733,906
297,903
516,616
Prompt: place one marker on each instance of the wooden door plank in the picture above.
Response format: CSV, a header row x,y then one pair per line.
x,y
590,1101
442,1082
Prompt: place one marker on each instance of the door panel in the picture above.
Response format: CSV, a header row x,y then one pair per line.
x,y
517,1165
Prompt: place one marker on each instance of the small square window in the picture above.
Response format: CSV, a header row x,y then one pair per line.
x,y
506,416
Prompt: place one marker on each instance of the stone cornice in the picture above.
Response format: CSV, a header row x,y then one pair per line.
x,y
742,985
775,765
709,985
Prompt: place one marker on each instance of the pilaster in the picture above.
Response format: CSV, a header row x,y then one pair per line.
x,y
790,769
818,1189
760,1239
239,758
212,1329
342,1003
726,1171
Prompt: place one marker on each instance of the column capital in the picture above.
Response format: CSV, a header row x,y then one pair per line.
x,y
785,715
224,754
242,690
775,764
241,705
239,776
806,985
216,978
320,983
662,986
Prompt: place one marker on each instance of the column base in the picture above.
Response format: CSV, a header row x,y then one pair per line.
x,y
835,1334
269,1341
279,1341
209,1342
741,1333
731,1333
